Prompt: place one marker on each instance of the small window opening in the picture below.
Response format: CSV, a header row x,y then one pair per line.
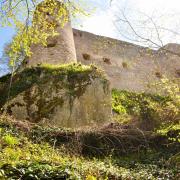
x,y
86,56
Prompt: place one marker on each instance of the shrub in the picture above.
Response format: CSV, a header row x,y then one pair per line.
x,y
10,140
142,106
169,112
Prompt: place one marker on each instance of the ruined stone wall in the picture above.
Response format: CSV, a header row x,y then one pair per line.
x,y
128,66
60,49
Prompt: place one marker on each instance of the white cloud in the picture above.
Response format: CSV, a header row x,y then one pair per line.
x,y
100,24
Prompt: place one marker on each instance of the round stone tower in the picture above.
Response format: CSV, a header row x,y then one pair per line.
x,y
60,49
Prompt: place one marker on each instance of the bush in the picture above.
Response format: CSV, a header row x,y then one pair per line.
x,y
150,110
169,113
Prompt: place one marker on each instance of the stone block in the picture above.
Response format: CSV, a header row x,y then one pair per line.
x,y
61,96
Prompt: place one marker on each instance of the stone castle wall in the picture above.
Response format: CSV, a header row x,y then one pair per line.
x,y
128,66
60,49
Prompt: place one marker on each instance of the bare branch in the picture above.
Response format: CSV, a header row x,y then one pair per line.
x,y
142,38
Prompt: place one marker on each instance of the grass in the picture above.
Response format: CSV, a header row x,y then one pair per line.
x,y
68,68
28,151
22,157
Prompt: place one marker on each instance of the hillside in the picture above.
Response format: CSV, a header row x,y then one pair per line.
x,y
80,106
29,151
141,141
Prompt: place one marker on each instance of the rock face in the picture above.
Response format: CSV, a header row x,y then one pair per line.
x,y
69,96
60,49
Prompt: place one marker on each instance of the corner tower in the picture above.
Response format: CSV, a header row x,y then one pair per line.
x,y
60,49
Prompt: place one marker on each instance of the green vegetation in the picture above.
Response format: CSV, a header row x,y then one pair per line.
x,y
148,112
70,76
171,131
145,109
21,157
37,31
143,143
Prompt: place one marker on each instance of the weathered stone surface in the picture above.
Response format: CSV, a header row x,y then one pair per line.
x,y
128,66
61,52
60,49
60,97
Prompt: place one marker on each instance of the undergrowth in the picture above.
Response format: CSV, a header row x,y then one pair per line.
x,y
29,151
23,158
149,111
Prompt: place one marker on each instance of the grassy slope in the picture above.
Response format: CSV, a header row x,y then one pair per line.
x,y
113,152
25,157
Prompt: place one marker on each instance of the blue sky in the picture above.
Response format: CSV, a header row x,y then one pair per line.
x,y
101,21
5,37
166,13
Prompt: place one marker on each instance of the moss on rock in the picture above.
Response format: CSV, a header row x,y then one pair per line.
x,y
73,76
41,91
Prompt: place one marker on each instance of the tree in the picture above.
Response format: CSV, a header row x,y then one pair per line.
x,y
29,30
145,29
